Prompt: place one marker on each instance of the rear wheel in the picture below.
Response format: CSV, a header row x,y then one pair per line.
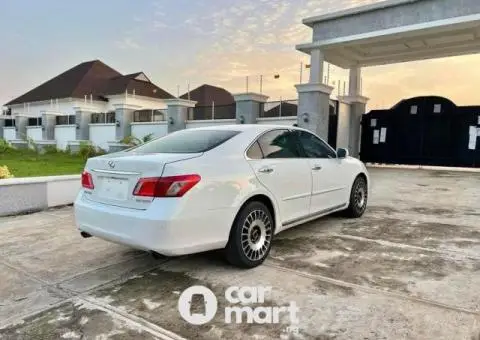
x,y
251,236
358,198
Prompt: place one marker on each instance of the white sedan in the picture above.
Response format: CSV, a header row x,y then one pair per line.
x,y
230,187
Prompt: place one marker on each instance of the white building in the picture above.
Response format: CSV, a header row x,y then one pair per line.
x,y
90,101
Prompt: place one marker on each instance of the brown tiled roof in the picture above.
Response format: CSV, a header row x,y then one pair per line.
x,y
206,94
91,77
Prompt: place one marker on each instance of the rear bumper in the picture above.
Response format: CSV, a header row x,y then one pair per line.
x,y
166,227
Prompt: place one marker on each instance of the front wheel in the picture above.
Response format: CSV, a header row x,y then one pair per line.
x,y
251,236
358,198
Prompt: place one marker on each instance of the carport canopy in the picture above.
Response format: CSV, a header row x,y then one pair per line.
x,y
351,38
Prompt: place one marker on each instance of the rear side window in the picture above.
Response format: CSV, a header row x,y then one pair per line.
x,y
186,141
254,152
279,144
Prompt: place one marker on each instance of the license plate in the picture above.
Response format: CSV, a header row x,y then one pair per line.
x,y
114,189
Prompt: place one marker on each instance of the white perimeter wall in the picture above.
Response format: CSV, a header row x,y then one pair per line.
x,y
203,123
140,130
34,132
101,134
64,134
9,133
288,121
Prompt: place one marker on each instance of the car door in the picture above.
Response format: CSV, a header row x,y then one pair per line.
x,y
329,180
276,160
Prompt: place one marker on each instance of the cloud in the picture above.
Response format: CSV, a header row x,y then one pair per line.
x,y
127,43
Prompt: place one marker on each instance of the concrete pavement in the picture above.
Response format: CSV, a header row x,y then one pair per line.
x,y
409,269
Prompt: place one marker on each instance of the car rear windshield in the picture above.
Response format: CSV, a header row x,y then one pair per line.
x,y
186,141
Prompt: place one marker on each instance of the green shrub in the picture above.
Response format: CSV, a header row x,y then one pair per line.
x,y
87,150
5,146
51,149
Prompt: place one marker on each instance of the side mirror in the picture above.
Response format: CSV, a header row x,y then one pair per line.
x,y
342,153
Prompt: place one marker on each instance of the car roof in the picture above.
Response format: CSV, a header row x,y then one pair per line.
x,y
247,127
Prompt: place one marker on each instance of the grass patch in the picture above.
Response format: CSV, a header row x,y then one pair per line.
x,y
30,162
27,163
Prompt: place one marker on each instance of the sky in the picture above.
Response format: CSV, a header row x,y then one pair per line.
x,y
218,42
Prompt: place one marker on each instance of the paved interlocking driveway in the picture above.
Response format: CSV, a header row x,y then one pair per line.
x,y
409,269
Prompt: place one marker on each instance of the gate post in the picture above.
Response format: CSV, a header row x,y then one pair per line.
x,y
177,112
314,108
248,106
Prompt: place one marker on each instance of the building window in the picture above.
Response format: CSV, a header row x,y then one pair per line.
x,y
65,120
9,122
413,109
148,116
34,121
103,117
437,108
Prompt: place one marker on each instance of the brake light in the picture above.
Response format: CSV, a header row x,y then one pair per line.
x,y
173,186
87,180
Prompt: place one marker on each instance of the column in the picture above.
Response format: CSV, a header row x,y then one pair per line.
x,y
314,98
357,104
177,111
314,108
2,124
21,127
48,126
316,66
124,119
248,107
83,118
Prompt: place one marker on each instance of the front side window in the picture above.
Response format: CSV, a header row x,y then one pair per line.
x,y
279,144
314,147
186,141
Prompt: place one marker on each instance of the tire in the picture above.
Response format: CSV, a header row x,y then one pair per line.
x,y
251,236
358,198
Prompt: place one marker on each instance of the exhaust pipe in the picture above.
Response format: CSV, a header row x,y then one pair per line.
x,y
85,235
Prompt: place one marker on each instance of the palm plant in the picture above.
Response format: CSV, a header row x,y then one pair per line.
x,y
134,141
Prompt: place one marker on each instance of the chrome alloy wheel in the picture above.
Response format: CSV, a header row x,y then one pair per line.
x,y
256,235
360,195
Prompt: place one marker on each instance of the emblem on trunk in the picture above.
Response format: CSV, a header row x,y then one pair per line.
x,y
111,164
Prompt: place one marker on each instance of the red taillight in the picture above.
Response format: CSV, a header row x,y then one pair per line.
x,y
174,186
87,180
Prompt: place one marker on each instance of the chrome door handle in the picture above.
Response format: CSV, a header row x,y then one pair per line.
x,y
266,170
317,167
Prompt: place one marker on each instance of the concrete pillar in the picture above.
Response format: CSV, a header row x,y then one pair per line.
x,y
343,128
357,104
48,126
248,107
177,112
316,66
21,126
82,120
354,82
314,107
2,124
124,119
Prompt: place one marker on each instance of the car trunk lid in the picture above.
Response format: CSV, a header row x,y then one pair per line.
x,y
115,176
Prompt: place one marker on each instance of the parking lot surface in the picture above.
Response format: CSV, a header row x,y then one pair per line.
x,y
409,269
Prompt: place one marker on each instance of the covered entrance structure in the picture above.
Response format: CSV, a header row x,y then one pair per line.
x,y
385,32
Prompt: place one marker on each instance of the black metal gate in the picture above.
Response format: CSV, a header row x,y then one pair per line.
x,y
422,131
